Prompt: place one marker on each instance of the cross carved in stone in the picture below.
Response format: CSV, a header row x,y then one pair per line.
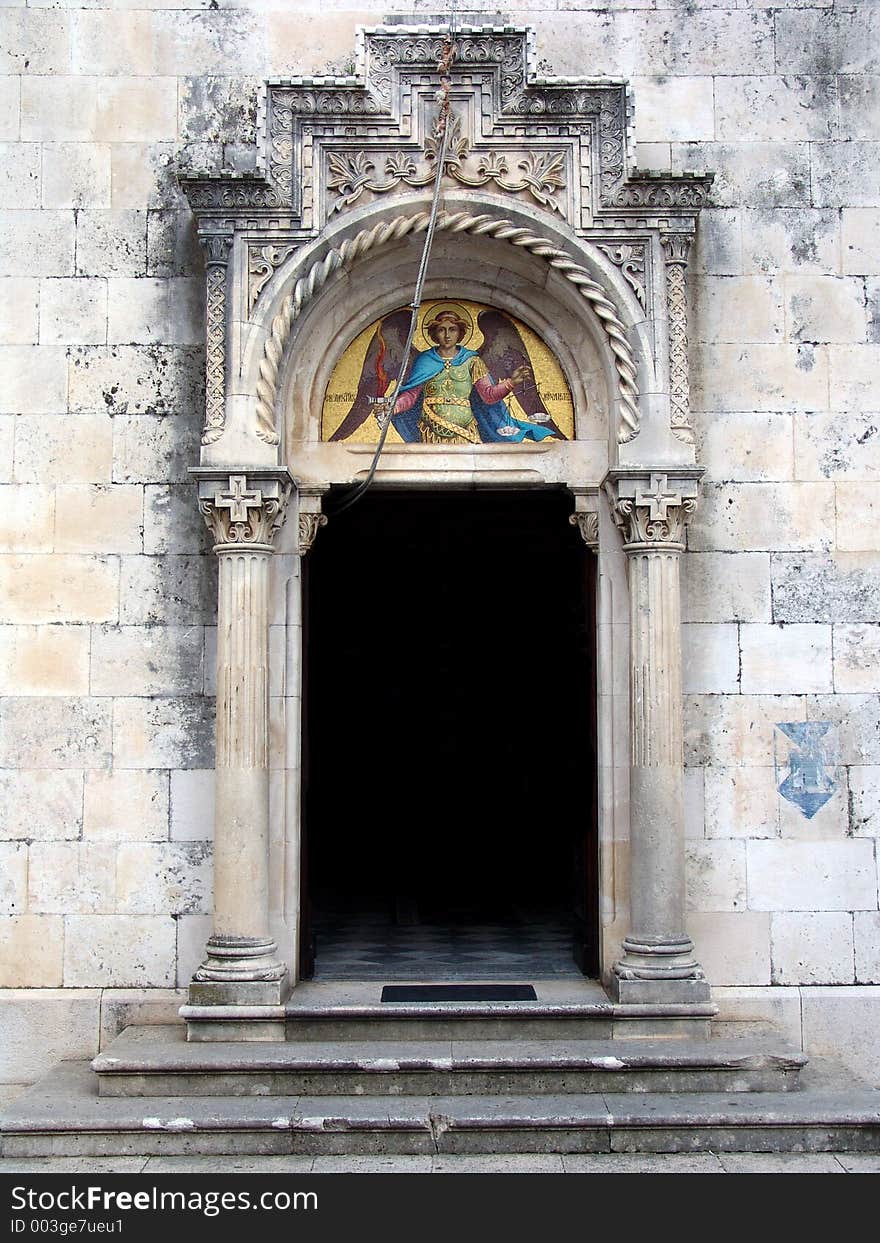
x,y
238,500
658,499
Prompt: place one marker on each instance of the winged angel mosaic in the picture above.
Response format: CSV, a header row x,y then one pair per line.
x,y
477,376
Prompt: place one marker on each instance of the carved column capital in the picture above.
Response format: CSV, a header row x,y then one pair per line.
x,y
586,517
217,247
311,519
653,507
676,248
243,510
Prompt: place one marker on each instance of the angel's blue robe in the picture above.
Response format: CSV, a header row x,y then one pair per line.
x,y
427,364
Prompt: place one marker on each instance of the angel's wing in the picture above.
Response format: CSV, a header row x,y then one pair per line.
x,y
503,351
381,364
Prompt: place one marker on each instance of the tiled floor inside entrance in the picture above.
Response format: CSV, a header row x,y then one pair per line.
x,y
367,946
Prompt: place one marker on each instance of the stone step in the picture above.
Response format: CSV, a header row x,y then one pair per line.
x,y
158,1061
63,1115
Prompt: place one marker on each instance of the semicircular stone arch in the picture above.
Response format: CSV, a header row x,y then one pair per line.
x,y
581,300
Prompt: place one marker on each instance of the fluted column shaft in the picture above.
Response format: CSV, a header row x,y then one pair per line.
x,y
241,953
658,963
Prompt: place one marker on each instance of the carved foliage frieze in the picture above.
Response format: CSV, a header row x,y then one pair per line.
x,y
351,173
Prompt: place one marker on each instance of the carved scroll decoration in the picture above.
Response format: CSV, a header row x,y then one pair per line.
x,y
218,249
351,173
456,222
263,261
630,258
676,248
587,524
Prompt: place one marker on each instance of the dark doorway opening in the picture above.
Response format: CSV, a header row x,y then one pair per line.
x,y
449,783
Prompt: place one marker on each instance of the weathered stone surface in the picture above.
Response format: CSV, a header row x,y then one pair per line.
x,y
13,877
775,108
738,309
674,109
721,586
127,379
192,933
773,516
111,43
59,588
856,506
147,660
746,446
811,876
734,947
66,733
761,174
155,878
76,174
31,949
840,1023
845,174
790,240
716,875
10,107
63,448
839,445
864,800
41,1027
760,1011
44,660
734,730
35,41
741,802
120,1008
99,518
121,951
192,805
761,377
33,379
866,936
111,243
172,590
791,659
136,110
824,308
72,878
20,175
812,948
27,518
857,659
173,251
842,588
172,522
710,655
718,245
126,805
19,310
838,42
73,311
36,243
145,311
40,805
163,732
150,447
858,232
857,721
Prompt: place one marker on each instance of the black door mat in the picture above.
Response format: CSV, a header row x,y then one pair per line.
x,y
458,992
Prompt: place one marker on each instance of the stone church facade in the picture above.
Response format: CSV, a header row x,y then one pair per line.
x,y
682,202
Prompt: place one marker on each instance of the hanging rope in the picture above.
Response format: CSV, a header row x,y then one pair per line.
x,y
441,137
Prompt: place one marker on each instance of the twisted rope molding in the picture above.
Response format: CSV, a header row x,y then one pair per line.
x,y
453,222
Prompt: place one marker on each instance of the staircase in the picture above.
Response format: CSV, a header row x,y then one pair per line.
x,y
371,1078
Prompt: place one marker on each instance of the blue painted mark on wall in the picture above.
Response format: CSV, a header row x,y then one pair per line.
x,y
802,764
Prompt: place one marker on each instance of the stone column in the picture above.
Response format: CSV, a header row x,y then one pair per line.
x,y
652,509
243,511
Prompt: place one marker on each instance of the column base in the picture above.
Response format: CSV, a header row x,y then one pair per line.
x,y
252,962
659,970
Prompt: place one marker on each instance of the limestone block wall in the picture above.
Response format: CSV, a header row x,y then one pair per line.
x,y
107,584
